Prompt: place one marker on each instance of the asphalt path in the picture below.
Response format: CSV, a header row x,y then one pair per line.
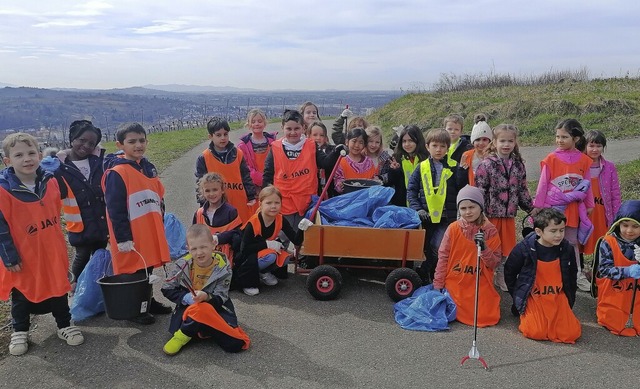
x,y
298,342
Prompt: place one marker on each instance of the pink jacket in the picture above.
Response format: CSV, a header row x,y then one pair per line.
x,y
250,156
555,198
609,189
570,156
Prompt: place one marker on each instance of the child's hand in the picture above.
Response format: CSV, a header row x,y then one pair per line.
x,y
15,268
200,296
215,239
251,203
346,113
636,252
125,247
304,224
188,299
634,271
394,164
275,245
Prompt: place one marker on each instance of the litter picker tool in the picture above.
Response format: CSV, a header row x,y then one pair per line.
x,y
474,353
633,300
184,280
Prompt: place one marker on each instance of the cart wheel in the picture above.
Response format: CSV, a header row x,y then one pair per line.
x,y
324,282
401,283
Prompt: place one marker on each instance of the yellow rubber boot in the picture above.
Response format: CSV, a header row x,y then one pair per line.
x,y
175,344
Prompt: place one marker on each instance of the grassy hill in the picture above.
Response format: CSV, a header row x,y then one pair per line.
x,y
610,105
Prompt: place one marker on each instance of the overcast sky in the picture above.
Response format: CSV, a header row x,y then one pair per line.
x,y
325,44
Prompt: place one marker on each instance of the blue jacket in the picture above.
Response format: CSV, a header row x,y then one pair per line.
x,y
520,271
417,200
115,194
12,184
629,210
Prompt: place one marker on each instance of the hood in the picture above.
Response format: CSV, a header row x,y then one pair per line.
x,y
629,210
10,181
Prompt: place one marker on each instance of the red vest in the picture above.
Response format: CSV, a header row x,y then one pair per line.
x,y
37,234
257,231
297,179
467,158
225,248
350,174
144,196
566,177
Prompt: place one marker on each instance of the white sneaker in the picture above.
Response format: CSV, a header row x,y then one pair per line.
x,y
583,283
268,279
251,291
19,343
71,335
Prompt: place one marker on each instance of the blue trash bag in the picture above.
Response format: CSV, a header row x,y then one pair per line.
x,y
348,209
393,216
87,300
176,236
426,310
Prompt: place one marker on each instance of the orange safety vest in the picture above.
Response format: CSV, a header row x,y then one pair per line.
x,y
233,185
257,231
224,248
467,158
566,177
71,210
548,315
297,179
614,297
205,313
37,234
598,217
461,280
350,173
144,196
261,158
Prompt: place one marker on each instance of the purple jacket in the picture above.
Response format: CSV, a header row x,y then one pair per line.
x,y
609,189
250,156
504,190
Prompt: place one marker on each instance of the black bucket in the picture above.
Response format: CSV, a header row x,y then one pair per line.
x,y
354,184
126,295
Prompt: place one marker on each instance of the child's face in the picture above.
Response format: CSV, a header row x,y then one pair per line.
x,y
552,234
356,146
481,144
373,144
83,145
220,139
317,134
310,114
437,150
408,145
257,124
469,211
271,205
629,230
505,143
134,146
200,248
24,159
212,192
594,150
564,140
455,130
292,131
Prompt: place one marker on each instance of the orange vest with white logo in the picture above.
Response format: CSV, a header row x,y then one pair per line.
x,y
233,185
467,159
37,235
297,179
144,197
566,177
257,231
461,280
225,248
614,297
71,210
350,174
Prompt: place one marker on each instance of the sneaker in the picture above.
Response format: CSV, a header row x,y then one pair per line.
x,y
268,279
175,344
71,335
498,279
144,319
251,291
583,283
158,308
19,343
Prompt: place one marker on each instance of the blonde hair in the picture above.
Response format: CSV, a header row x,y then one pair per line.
x,y
506,128
268,191
198,230
12,140
207,178
373,131
455,118
357,122
255,112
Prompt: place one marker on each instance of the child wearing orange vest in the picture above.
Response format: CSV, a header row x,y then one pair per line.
x,y
135,207
34,252
204,309
256,145
481,136
540,273
619,271
457,260
355,164
220,216
260,252
224,158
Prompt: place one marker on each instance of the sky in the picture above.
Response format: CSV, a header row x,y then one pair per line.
x,y
309,45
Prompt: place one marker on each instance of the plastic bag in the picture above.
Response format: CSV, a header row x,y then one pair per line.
x,y
426,310
176,236
393,216
350,208
88,300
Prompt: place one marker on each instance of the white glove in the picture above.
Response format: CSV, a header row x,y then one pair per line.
x,y
125,247
304,224
346,113
215,239
275,245
636,252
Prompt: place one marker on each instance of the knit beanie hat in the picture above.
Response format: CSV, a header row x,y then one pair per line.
x,y
79,127
471,193
481,130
